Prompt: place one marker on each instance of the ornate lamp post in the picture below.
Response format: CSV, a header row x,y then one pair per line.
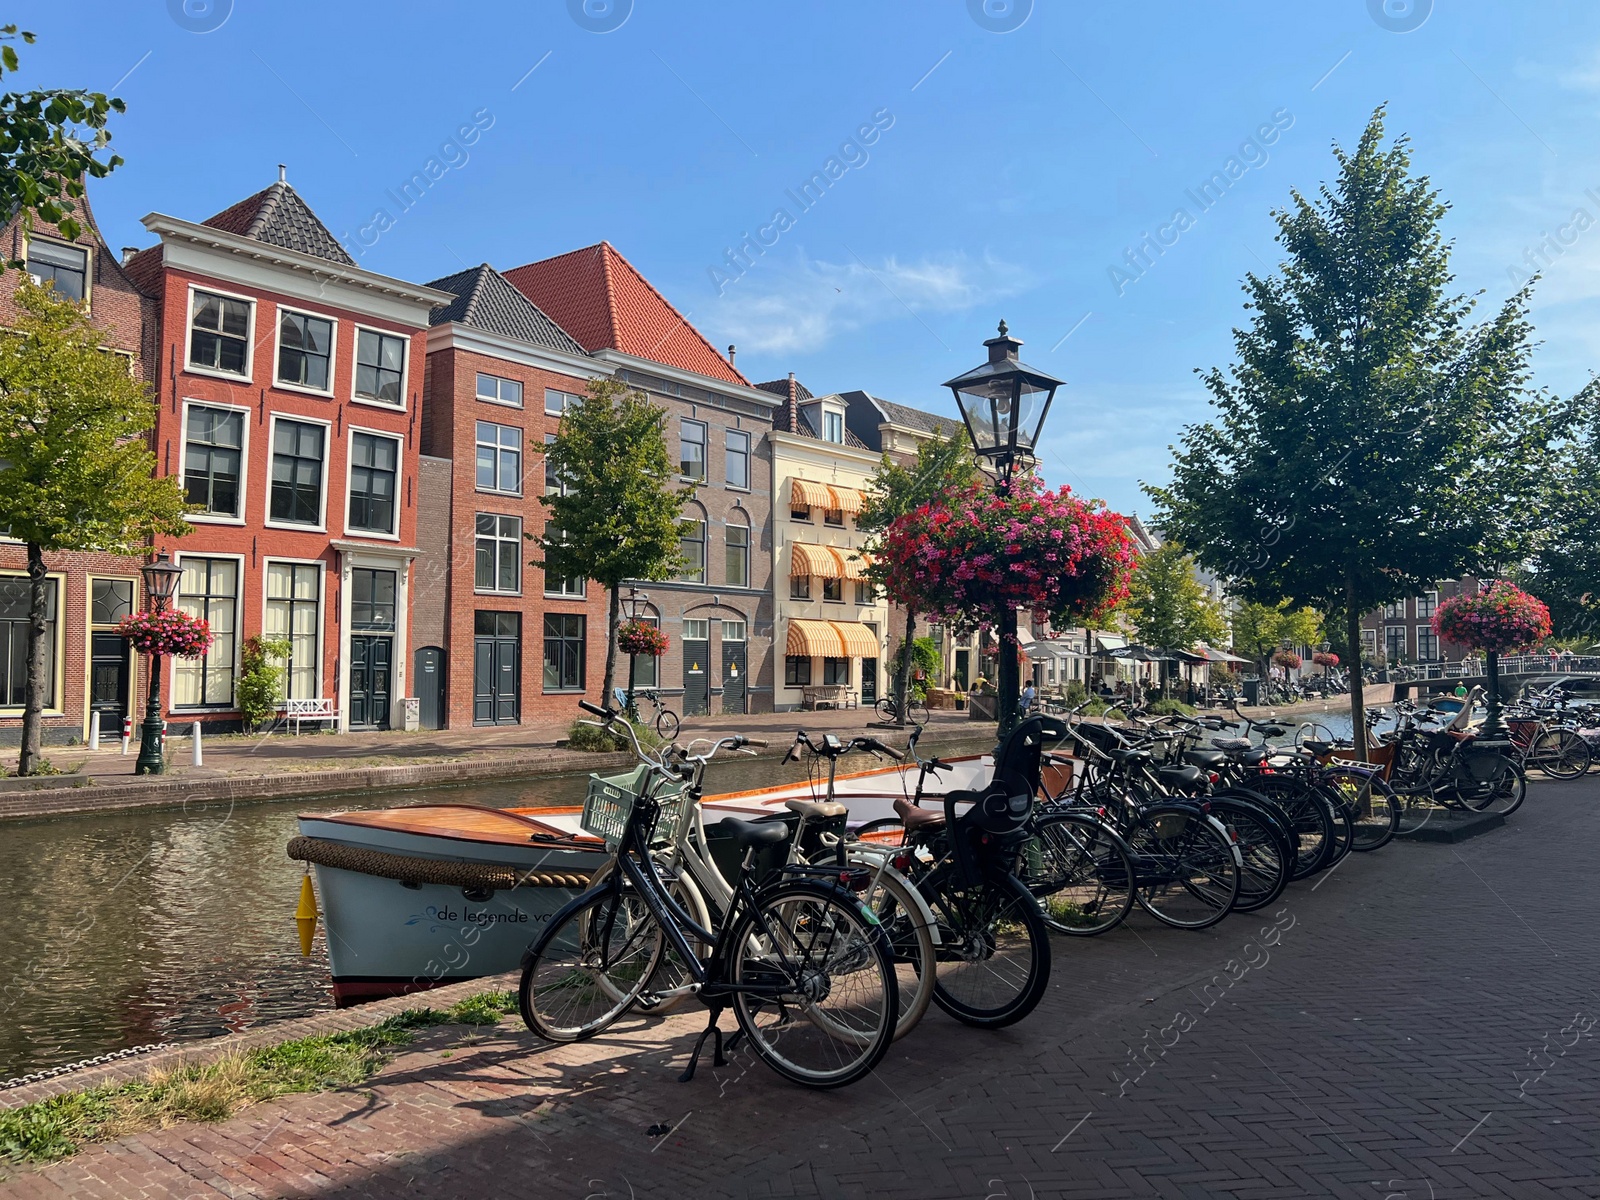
x,y
634,603
160,582
1003,404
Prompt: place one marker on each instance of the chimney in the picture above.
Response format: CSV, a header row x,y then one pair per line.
x,y
127,253
283,173
732,350
794,405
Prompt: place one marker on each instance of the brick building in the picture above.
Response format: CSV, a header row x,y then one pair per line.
x,y
90,667
497,643
289,386
718,615
1403,631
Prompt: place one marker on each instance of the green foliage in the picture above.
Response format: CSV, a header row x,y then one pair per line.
x,y
924,658
261,671
1565,571
1169,608
1165,707
592,739
486,1008
1259,629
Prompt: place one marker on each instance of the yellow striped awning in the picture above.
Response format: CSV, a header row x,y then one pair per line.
x,y
849,499
826,495
855,566
830,639
821,561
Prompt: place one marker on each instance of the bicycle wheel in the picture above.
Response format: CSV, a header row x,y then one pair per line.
x,y
911,945
919,711
1080,873
994,952
1305,814
1560,754
1503,795
1187,875
670,973
667,724
888,710
818,996
1264,851
1373,807
1344,830
589,965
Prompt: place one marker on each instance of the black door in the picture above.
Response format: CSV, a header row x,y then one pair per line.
x,y
428,680
696,678
496,668
370,660
869,681
108,681
733,676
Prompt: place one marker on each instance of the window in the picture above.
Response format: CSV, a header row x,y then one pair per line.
x,y
833,516
1369,641
556,403
499,391
1427,644
692,545
212,455
15,602
833,590
738,538
1394,639
110,600
738,459
800,587
833,427
65,268
380,366
554,485
573,585
864,591
219,333
374,461
1395,612
563,652
208,589
800,512
836,671
293,604
1426,603
646,667
733,631
499,458
499,554
305,350
297,452
692,450
796,671
696,629
372,607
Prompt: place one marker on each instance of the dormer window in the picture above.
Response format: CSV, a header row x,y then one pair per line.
x,y
833,427
65,268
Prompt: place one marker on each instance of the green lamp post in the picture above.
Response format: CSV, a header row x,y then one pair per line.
x,y
160,582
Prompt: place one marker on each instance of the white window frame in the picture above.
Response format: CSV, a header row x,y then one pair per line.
x,y
1431,599
560,592
88,262
567,398
277,351
522,459
477,395
170,665
703,624
405,368
327,453
249,342
823,432
59,654
521,529
741,631
726,526
705,450
244,461
399,478
1438,643
728,456
322,602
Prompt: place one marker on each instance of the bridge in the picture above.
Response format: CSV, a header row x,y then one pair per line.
x,y
1515,670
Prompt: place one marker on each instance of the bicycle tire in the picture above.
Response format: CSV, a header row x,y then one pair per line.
x,y
1374,808
789,980
887,709
1561,754
1510,790
1264,852
994,919
667,724
1309,818
670,973
1344,832
919,712
560,996
910,943
1177,844
1080,873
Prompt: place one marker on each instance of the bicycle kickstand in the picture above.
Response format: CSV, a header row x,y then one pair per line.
x,y
717,1056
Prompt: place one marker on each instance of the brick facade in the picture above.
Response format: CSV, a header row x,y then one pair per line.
x,y
1402,631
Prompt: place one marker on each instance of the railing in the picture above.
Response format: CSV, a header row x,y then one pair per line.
x,y
1513,664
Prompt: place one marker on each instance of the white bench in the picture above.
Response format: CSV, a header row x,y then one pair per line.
x,y
316,711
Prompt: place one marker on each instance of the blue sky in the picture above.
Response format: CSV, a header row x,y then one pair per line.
x,y
1011,170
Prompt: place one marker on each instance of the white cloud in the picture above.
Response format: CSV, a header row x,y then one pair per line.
x,y
1582,77
801,304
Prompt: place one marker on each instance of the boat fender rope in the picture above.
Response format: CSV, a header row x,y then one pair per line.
x,y
408,868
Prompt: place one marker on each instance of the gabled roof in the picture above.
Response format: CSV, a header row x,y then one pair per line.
x,y
789,418
780,387
598,297
277,216
914,418
486,300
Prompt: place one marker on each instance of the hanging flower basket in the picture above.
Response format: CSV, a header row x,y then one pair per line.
x,y
1325,658
639,637
1287,658
172,632
1503,618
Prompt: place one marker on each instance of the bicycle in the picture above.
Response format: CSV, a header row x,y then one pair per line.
x,y
664,721
916,710
800,959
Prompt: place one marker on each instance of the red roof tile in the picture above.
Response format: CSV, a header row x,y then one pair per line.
x,y
598,297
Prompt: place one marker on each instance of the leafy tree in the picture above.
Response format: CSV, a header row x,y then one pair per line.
x,y
924,658
44,159
1259,629
616,518
75,471
1169,608
261,673
945,465
1565,571
1368,442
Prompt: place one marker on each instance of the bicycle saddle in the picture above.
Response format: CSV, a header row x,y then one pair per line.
x,y
1231,744
754,833
914,817
1183,776
816,810
1253,757
1129,756
1206,760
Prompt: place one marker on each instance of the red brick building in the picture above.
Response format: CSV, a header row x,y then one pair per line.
x,y
289,384
497,642
1402,632
91,668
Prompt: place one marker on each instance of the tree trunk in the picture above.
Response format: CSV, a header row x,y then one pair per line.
x,y
902,683
1352,629
38,660
615,608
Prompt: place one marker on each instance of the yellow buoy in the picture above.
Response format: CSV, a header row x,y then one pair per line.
x,y
305,914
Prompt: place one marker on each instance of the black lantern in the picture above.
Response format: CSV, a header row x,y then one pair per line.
x,y
1004,403
161,580
633,604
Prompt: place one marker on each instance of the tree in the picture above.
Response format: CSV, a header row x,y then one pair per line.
x,y
1168,607
1368,442
615,518
43,159
1566,569
945,464
1259,629
76,472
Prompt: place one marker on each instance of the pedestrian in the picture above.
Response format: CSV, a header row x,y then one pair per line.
x,y
1029,695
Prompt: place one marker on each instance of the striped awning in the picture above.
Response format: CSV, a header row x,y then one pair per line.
x,y
830,639
826,562
824,495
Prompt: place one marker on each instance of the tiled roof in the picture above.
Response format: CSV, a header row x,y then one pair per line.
x,y
780,387
144,269
277,216
598,297
789,418
485,300
915,418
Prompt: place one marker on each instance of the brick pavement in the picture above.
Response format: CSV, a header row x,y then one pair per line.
x,y
1417,1024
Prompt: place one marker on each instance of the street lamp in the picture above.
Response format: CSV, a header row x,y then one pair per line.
x,y
1003,404
634,603
160,582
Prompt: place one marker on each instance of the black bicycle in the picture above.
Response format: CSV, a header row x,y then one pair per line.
x,y
803,963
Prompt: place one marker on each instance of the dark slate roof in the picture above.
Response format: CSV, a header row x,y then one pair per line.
x,y
486,300
276,216
780,387
915,418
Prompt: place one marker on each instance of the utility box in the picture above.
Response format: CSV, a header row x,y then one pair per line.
x,y
411,714
1252,692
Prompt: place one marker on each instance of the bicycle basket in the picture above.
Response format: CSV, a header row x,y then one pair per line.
x,y
609,803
